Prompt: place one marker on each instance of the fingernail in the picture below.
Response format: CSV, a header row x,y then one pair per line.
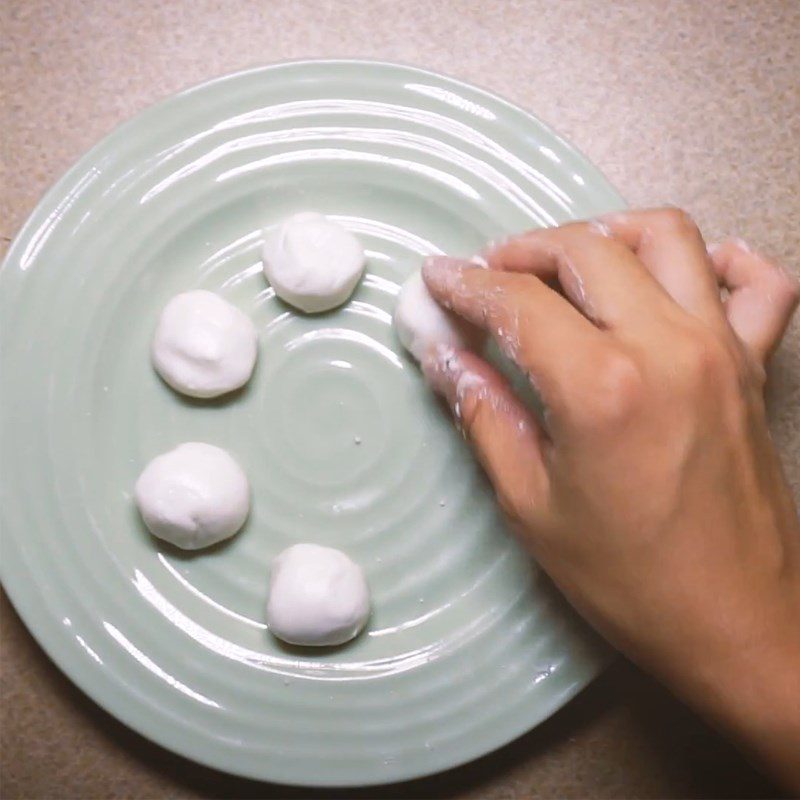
x,y
450,377
442,368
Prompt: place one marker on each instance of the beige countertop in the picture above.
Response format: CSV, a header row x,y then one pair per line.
x,y
692,103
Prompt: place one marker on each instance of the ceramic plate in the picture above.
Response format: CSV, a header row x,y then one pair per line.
x,y
468,646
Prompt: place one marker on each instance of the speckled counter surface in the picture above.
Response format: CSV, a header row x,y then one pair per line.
x,y
692,103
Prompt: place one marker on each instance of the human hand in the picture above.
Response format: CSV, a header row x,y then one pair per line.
x,y
649,490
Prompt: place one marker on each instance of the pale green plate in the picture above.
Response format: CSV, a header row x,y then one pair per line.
x,y
468,646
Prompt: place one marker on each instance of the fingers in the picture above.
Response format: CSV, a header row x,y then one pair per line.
x,y
598,273
533,325
505,435
762,295
671,246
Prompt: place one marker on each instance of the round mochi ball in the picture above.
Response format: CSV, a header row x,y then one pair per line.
x,y
193,496
422,324
317,596
203,346
311,262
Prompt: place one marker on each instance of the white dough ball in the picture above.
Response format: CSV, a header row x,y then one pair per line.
x,y
317,596
204,346
311,262
193,496
421,323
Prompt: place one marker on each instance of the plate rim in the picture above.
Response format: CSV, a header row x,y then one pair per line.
x,y
34,615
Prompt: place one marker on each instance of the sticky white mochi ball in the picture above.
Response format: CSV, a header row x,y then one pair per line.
x,y
193,496
311,262
204,346
317,596
421,323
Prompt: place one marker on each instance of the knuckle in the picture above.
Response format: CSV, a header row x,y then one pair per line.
x,y
620,392
785,287
706,360
676,221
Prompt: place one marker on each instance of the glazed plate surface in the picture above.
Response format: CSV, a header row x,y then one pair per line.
x,y
468,646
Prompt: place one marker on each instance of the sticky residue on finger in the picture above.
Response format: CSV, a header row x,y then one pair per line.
x,y
445,271
508,337
449,373
469,383
443,367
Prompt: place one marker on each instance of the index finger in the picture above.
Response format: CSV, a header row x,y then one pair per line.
x,y
537,328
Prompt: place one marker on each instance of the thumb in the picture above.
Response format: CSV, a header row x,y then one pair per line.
x,y
505,435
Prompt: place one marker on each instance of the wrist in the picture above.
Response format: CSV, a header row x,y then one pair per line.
x,y
750,691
